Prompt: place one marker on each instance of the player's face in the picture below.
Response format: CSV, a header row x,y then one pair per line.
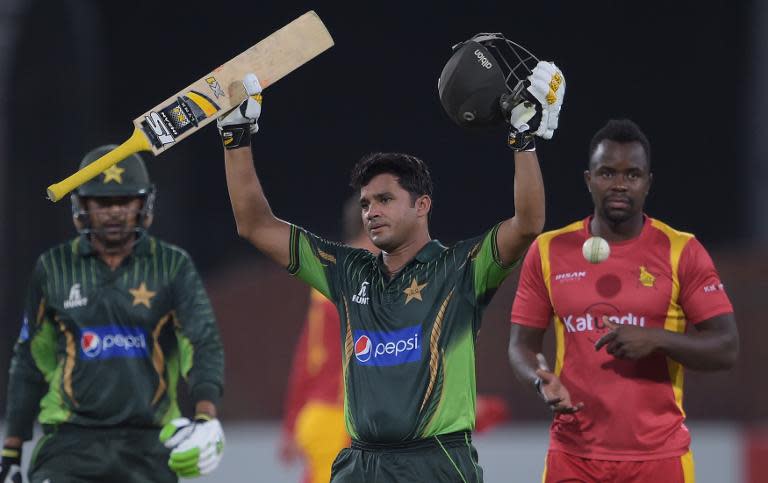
x,y
619,180
390,215
113,219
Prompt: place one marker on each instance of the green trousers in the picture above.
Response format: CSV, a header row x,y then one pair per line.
x,y
74,454
448,458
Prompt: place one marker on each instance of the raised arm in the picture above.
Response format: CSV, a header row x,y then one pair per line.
x,y
253,215
517,233
544,96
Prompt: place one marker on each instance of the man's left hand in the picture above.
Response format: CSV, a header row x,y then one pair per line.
x,y
547,86
196,446
539,114
628,341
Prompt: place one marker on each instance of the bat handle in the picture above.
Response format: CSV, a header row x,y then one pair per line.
x,y
137,142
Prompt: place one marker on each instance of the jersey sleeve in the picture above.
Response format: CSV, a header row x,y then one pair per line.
x,y
702,295
532,306
317,261
201,350
34,360
488,272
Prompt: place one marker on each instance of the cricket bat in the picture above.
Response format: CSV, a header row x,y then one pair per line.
x,y
211,96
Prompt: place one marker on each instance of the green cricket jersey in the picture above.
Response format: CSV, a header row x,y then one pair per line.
x,y
409,342
106,348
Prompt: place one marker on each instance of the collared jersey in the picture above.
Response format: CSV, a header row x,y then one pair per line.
x,y
106,348
408,342
663,279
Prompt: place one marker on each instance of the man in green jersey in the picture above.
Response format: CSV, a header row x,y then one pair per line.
x,y
113,318
410,316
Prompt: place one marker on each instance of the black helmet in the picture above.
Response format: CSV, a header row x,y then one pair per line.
x,y
484,79
129,177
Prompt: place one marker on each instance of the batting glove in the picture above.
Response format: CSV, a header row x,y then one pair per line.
x,y
196,446
548,88
539,113
240,123
10,465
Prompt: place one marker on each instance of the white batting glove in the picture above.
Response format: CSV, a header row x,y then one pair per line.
x,y
196,447
548,88
238,125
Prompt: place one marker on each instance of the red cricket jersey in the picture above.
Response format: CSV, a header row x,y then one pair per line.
x,y
633,410
316,368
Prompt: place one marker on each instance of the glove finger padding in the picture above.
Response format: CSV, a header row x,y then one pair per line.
x,y
201,452
175,432
237,126
547,86
521,114
252,84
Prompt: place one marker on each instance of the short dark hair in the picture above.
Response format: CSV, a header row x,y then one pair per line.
x,y
620,131
411,172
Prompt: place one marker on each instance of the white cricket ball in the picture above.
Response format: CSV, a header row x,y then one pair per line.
x,y
595,249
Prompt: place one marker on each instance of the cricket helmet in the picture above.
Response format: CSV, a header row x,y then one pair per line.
x,y
484,79
128,178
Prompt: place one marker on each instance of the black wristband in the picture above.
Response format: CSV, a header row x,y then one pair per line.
x,y
236,136
11,456
203,418
521,141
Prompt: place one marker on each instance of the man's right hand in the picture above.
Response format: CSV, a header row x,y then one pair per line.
x,y
553,391
237,127
10,465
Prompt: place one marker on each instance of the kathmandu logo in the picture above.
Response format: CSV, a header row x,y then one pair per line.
x,y
113,341
713,287
362,294
363,348
75,298
589,322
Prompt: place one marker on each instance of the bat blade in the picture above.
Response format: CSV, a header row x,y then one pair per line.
x,y
211,96
221,90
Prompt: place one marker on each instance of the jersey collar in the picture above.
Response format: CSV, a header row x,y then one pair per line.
x,y
428,252
143,246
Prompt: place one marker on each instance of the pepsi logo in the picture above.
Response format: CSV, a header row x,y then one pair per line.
x,y
363,348
90,342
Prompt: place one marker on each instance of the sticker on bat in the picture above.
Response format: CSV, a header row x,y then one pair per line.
x,y
158,127
215,87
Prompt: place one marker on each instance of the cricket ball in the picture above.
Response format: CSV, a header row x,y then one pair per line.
x,y
595,249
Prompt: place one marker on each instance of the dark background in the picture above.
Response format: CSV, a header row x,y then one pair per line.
x,y
77,73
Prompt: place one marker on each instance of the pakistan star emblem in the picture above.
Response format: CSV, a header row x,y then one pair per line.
x,y
141,295
414,291
114,173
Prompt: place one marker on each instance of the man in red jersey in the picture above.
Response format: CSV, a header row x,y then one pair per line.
x,y
625,328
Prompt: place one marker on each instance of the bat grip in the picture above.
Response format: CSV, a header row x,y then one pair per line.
x,y
137,142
